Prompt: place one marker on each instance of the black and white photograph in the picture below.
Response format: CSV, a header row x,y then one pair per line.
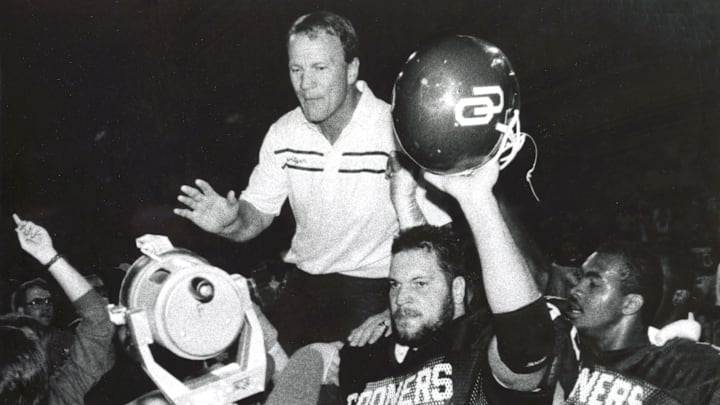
x,y
359,202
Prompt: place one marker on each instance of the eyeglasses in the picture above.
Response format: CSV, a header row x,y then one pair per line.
x,y
40,301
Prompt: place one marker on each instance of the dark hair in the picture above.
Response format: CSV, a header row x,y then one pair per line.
x,y
449,249
454,255
19,320
19,295
332,24
23,367
640,273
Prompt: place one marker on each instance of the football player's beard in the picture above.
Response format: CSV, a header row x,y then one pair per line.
x,y
419,337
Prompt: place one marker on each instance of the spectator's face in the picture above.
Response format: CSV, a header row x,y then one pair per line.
x,y
39,305
420,296
596,302
704,289
320,76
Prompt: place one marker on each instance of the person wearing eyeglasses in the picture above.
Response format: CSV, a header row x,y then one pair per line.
x,y
34,298
24,376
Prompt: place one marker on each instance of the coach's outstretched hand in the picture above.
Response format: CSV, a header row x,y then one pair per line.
x,y
206,208
35,240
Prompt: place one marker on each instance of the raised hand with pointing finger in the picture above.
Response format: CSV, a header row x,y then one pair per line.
x,y
35,240
90,356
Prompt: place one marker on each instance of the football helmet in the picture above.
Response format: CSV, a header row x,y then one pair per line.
x,y
456,105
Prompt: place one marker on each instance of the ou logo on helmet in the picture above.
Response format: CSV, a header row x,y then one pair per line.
x,y
482,105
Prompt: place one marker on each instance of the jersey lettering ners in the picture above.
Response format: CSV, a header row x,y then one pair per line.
x,y
599,385
432,384
679,372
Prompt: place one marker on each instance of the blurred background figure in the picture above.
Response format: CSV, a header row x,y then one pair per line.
x,y
706,303
34,298
25,377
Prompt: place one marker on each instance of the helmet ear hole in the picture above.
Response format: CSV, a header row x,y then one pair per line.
x,y
455,102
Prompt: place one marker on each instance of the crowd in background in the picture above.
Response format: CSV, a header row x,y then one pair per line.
x,y
683,234
690,267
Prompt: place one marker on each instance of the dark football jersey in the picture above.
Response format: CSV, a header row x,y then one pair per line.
x,y
451,368
679,372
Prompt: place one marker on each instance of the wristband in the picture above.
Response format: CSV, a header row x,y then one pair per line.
x,y
53,260
526,337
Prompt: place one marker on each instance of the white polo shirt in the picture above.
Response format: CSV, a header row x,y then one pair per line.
x,y
345,221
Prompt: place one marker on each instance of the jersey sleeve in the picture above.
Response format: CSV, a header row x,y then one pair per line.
x,y
561,365
496,394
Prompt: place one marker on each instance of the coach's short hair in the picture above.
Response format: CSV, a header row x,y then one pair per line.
x,y
330,23
640,273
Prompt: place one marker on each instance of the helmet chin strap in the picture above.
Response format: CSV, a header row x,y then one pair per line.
x,y
510,143
511,140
